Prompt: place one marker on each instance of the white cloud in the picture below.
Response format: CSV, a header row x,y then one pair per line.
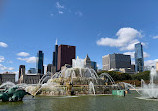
x,y
10,68
28,60
51,14
130,46
155,37
10,62
126,38
129,53
132,54
23,54
62,9
79,13
2,59
99,34
60,12
59,6
2,44
4,68
146,55
150,62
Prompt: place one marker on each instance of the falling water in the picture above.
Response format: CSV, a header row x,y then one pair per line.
x,y
91,87
127,86
150,90
78,63
7,85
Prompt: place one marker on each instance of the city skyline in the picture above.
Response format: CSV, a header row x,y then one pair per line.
x,y
41,28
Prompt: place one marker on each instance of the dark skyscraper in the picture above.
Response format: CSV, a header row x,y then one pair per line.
x,y
139,59
53,59
40,67
49,67
21,70
94,65
55,56
65,55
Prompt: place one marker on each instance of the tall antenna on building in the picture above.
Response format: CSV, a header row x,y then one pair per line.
x,y
56,43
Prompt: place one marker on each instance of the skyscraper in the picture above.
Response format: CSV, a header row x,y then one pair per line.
x,y
94,65
51,69
106,62
40,58
139,59
65,55
87,61
21,70
116,61
55,56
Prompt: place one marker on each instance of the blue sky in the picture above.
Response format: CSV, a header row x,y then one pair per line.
x,y
94,27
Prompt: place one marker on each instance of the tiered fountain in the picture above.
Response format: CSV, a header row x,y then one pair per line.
x,y
77,80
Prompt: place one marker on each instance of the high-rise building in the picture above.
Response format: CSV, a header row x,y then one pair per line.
x,y
133,67
55,56
21,70
90,64
139,59
87,62
106,62
51,69
40,58
32,71
156,66
116,61
65,55
94,65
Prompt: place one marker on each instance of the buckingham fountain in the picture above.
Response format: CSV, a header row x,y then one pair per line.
x,y
75,80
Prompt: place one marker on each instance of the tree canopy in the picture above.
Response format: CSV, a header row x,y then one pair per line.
x,y
118,76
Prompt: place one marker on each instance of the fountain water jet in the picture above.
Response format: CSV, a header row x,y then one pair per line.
x,y
7,85
150,90
91,88
128,86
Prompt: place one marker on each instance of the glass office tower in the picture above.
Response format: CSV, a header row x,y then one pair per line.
x,y
139,59
40,67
